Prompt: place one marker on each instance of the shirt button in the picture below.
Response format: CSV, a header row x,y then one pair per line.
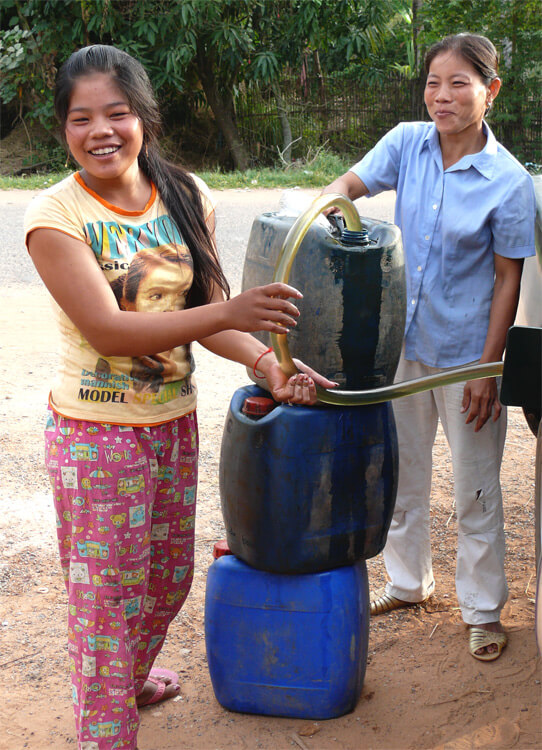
x,y
426,236
413,301
419,268
435,206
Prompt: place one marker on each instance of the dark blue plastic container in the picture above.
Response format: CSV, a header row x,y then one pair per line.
x,y
305,489
286,645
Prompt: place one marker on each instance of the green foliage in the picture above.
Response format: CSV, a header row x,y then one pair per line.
x,y
242,38
22,65
265,66
515,28
211,53
47,31
15,44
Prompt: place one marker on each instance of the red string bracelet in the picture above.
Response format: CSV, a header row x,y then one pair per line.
x,y
261,377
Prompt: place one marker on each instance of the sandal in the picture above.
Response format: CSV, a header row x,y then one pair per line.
x,y
161,673
387,603
481,638
158,676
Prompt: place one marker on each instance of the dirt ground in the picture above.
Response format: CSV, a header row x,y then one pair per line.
x,y
422,689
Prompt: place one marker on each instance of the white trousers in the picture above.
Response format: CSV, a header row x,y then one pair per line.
x,y
476,459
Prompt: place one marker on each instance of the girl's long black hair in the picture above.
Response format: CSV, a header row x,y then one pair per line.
x,y
176,186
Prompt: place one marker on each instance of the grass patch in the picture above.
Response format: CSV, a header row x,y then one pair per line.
x,y
37,181
316,174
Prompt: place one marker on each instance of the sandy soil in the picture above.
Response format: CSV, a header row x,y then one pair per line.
x,y
422,689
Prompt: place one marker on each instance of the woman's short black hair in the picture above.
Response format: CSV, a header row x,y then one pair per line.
x,y
478,50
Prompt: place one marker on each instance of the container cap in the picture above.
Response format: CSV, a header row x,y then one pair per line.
x,y
221,548
352,238
258,406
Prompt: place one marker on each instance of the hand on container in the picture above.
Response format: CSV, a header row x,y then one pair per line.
x,y
481,401
349,185
264,308
297,389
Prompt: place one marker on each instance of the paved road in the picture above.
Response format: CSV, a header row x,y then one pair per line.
x,y
15,265
236,211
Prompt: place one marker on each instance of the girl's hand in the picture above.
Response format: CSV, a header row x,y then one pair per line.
x,y
481,400
263,308
299,388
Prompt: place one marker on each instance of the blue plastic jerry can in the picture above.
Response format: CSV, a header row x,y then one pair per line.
x,y
286,645
305,489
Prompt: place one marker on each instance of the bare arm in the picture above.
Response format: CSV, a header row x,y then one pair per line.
x,y
480,397
347,184
69,269
245,349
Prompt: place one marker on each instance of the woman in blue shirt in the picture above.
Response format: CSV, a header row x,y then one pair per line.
x,y
466,210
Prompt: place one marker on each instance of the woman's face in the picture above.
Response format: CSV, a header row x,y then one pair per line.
x,y
455,95
103,134
163,288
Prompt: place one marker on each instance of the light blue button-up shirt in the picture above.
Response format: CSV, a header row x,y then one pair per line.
x,y
452,222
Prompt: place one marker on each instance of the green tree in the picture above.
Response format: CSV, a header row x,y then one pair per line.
x,y
208,51
515,27
318,36
188,46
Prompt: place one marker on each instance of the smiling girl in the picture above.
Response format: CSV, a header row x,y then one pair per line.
x,y
122,458
466,210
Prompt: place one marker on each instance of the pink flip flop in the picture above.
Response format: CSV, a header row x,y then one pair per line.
x,y
157,696
157,676
160,672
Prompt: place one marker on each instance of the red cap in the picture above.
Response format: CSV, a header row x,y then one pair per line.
x,y
258,406
221,548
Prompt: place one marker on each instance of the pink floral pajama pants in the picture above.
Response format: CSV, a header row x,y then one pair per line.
x,y
125,500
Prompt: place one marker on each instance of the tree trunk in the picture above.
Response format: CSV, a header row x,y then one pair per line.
x,y
220,100
416,5
319,76
285,124
417,104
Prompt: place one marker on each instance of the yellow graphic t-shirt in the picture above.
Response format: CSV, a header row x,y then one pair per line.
x,y
150,269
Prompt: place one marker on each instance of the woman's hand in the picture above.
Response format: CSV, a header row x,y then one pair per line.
x,y
481,400
480,397
263,308
347,184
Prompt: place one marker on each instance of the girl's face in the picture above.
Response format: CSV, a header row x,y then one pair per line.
x,y
455,95
103,135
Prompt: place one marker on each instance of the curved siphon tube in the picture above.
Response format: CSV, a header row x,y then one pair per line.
x,y
279,342
291,245
408,387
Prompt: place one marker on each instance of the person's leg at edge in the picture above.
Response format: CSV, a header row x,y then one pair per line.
x,y
480,578
407,554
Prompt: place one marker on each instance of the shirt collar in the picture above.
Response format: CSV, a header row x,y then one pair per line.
x,y
483,161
